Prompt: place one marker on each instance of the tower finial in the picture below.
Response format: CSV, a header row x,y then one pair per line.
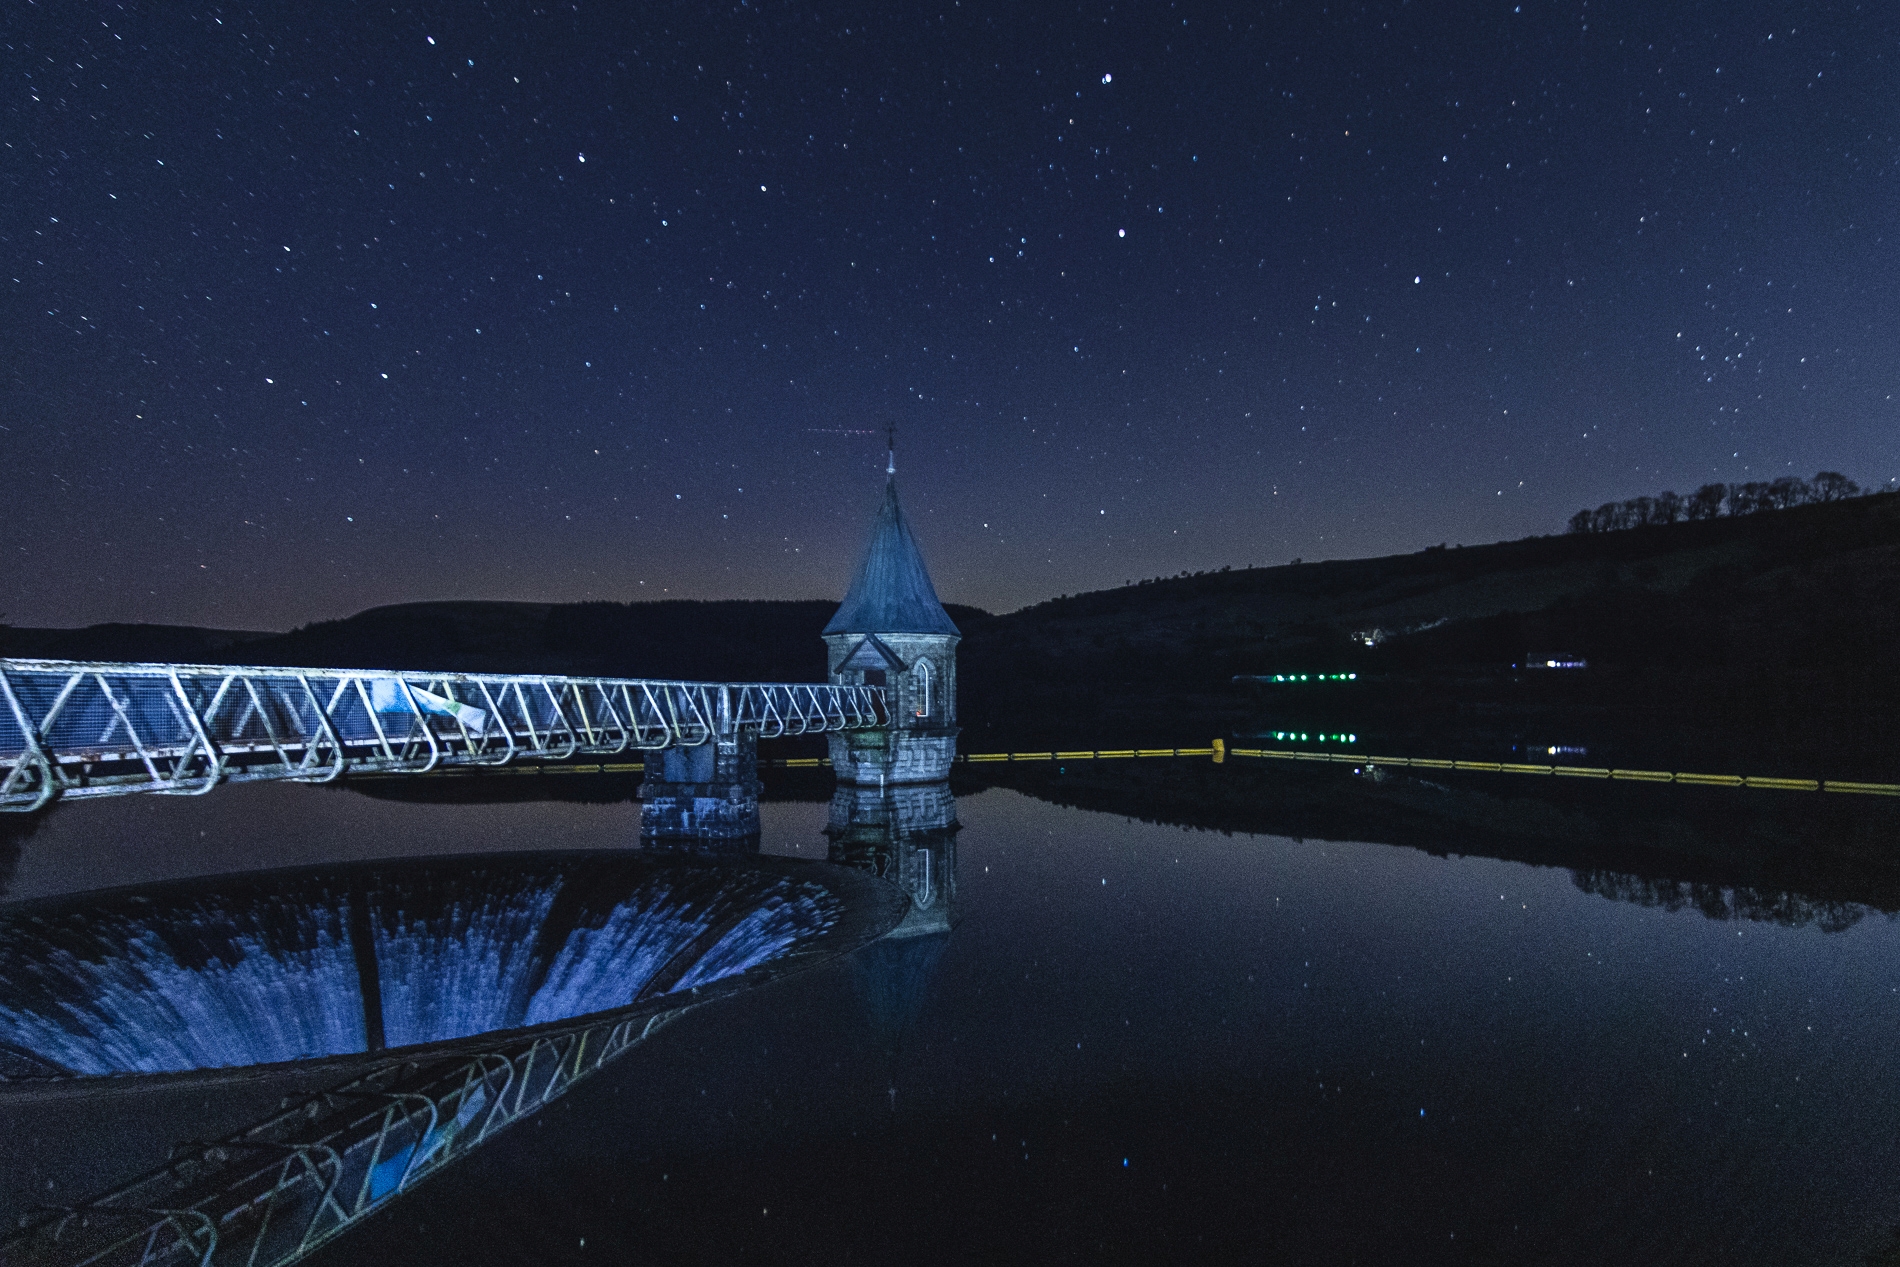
x,y
890,436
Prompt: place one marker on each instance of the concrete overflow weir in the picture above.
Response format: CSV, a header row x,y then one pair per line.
x,y
596,951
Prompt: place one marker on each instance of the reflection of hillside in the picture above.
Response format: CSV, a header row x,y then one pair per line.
x,y
1720,902
1788,857
578,783
499,787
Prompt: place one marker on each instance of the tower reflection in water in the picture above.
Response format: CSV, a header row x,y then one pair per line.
x,y
905,834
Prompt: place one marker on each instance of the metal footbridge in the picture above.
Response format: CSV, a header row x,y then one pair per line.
x,y
81,729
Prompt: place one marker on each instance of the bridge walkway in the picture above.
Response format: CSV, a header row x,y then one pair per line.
x,y
75,729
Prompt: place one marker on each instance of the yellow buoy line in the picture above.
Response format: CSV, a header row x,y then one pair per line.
x,y
1219,751
1579,772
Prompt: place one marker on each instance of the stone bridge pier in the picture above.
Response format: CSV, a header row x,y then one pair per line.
x,y
705,794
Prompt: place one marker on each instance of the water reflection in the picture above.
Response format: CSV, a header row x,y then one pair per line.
x,y
1797,859
345,960
905,835
1145,1038
1722,902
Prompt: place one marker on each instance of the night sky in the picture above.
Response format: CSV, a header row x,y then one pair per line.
x,y
312,307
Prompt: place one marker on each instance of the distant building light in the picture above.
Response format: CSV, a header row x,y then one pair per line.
x,y
1307,737
1297,677
1556,661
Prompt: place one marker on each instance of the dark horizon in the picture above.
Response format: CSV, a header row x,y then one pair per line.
x,y
1639,513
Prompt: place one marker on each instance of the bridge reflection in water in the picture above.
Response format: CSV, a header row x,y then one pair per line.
x,y
451,997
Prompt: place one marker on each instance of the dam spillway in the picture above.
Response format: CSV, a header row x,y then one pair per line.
x,y
336,962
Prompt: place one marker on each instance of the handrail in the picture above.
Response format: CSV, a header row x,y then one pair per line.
x,y
81,728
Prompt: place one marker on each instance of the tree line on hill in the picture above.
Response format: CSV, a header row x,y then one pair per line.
x,y
1712,501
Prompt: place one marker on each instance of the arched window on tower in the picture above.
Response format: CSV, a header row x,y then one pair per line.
x,y
923,688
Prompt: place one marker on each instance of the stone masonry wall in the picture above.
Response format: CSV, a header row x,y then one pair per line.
x,y
916,749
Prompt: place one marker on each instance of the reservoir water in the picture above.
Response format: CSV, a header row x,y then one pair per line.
x,y
1102,1038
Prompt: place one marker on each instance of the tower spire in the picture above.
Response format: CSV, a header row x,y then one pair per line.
x,y
890,437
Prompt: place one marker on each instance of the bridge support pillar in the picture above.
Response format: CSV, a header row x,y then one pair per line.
x,y
703,794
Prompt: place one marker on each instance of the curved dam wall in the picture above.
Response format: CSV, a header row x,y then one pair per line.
x,y
345,960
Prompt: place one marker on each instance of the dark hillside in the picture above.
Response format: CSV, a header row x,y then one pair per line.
x,y
1398,592
748,641
1778,621
169,644
730,641
1703,638
451,635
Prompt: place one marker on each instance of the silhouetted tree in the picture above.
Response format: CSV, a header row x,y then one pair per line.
x,y
1748,498
1706,502
1832,486
1789,490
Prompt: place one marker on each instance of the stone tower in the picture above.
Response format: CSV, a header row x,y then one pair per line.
x,y
891,631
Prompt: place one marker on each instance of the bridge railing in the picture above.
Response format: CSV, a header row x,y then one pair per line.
x,y
76,729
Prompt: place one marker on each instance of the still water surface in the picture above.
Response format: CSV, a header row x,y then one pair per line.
x,y
1141,1043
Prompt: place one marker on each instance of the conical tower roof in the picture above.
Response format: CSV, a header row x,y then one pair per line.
x,y
892,592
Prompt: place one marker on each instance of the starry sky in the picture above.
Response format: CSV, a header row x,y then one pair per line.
x,y
309,308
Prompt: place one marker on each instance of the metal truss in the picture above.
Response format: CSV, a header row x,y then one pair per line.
x,y
74,729
273,1193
